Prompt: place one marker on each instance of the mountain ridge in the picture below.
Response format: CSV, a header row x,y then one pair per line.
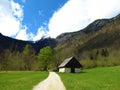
x,y
18,45
63,39
94,26
107,37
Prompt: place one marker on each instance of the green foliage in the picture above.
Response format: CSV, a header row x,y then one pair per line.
x,y
20,80
25,60
45,58
88,63
4,59
107,78
29,58
103,58
58,56
15,61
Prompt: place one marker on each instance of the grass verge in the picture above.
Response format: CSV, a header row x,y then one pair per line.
x,y
103,78
20,80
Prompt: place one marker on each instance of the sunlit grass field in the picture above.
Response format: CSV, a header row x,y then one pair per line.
x,y
104,78
20,80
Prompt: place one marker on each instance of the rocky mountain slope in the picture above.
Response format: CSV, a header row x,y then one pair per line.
x,y
95,26
101,34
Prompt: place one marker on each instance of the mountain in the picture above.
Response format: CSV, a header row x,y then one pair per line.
x,y
18,45
99,34
107,36
94,26
96,45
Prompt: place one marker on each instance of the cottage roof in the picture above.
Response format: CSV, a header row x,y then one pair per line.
x,y
65,62
69,63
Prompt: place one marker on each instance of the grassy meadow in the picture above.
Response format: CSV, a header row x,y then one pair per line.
x,y
102,78
20,80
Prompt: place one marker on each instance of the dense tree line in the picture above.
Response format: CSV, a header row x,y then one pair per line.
x,y
50,59
101,58
27,59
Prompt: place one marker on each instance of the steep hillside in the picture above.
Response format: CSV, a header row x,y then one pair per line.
x,y
107,37
94,26
101,34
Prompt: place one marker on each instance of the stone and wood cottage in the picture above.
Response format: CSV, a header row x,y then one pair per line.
x,y
70,65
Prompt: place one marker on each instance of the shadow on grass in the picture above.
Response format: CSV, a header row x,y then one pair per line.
x,y
82,72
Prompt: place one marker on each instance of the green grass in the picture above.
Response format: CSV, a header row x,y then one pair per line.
x,y
20,80
104,78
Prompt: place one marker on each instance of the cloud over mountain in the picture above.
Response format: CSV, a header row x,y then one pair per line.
x,y
76,14
71,16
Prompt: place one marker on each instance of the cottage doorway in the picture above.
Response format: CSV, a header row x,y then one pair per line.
x,y
72,70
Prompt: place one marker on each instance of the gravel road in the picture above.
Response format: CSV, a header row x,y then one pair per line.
x,y
53,82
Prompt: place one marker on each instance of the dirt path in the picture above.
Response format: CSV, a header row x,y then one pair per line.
x,y
53,82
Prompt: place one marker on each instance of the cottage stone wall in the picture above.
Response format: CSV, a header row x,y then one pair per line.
x,y
61,69
77,70
68,70
64,69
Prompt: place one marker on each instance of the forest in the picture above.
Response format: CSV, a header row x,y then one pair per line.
x,y
27,59
50,59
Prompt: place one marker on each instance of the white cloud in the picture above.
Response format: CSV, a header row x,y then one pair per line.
x,y
17,10
23,35
73,16
8,25
41,33
77,14
103,8
11,15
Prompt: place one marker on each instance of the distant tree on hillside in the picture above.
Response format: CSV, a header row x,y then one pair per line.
x,y
57,56
104,52
29,58
4,59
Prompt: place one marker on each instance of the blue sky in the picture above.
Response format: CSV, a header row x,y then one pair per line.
x,y
33,19
37,13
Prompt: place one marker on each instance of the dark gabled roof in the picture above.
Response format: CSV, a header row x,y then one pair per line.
x,y
65,62
69,63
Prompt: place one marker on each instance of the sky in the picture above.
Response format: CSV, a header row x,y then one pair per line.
x,y
34,19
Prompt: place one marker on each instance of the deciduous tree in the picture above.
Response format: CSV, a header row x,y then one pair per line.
x,y
45,58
